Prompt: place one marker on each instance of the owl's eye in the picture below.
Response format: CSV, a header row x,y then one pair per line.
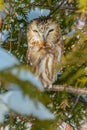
x,y
35,31
51,30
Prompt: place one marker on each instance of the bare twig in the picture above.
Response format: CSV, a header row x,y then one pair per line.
x,y
69,89
56,8
73,97
68,8
76,101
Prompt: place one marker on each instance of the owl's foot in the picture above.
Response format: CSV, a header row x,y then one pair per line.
x,y
48,86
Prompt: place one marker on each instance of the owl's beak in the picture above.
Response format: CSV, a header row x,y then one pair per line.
x,y
43,38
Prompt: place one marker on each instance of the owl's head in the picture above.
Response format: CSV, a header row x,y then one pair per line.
x,y
44,30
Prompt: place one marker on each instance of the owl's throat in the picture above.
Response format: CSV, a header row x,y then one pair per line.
x,y
46,45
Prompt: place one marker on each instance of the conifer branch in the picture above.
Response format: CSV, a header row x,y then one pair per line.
x,y
69,89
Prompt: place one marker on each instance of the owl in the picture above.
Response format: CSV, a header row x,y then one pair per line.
x,y
45,49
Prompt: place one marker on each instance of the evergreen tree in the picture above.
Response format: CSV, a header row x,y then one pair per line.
x,y
67,99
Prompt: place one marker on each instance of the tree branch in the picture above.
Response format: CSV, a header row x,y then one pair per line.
x,y
69,89
68,8
74,97
56,8
73,107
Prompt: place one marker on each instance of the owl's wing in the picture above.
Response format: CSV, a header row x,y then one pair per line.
x,y
28,57
60,49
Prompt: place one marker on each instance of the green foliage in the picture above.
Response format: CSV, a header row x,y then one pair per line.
x,y
2,4
44,125
74,61
82,4
26,86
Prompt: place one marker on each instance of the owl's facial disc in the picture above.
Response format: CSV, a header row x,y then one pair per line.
x,y
43,30
40,34
44,34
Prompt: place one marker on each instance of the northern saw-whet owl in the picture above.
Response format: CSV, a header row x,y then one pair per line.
x,y
45,49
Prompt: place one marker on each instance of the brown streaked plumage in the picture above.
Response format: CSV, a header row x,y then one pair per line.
x,y
45,49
